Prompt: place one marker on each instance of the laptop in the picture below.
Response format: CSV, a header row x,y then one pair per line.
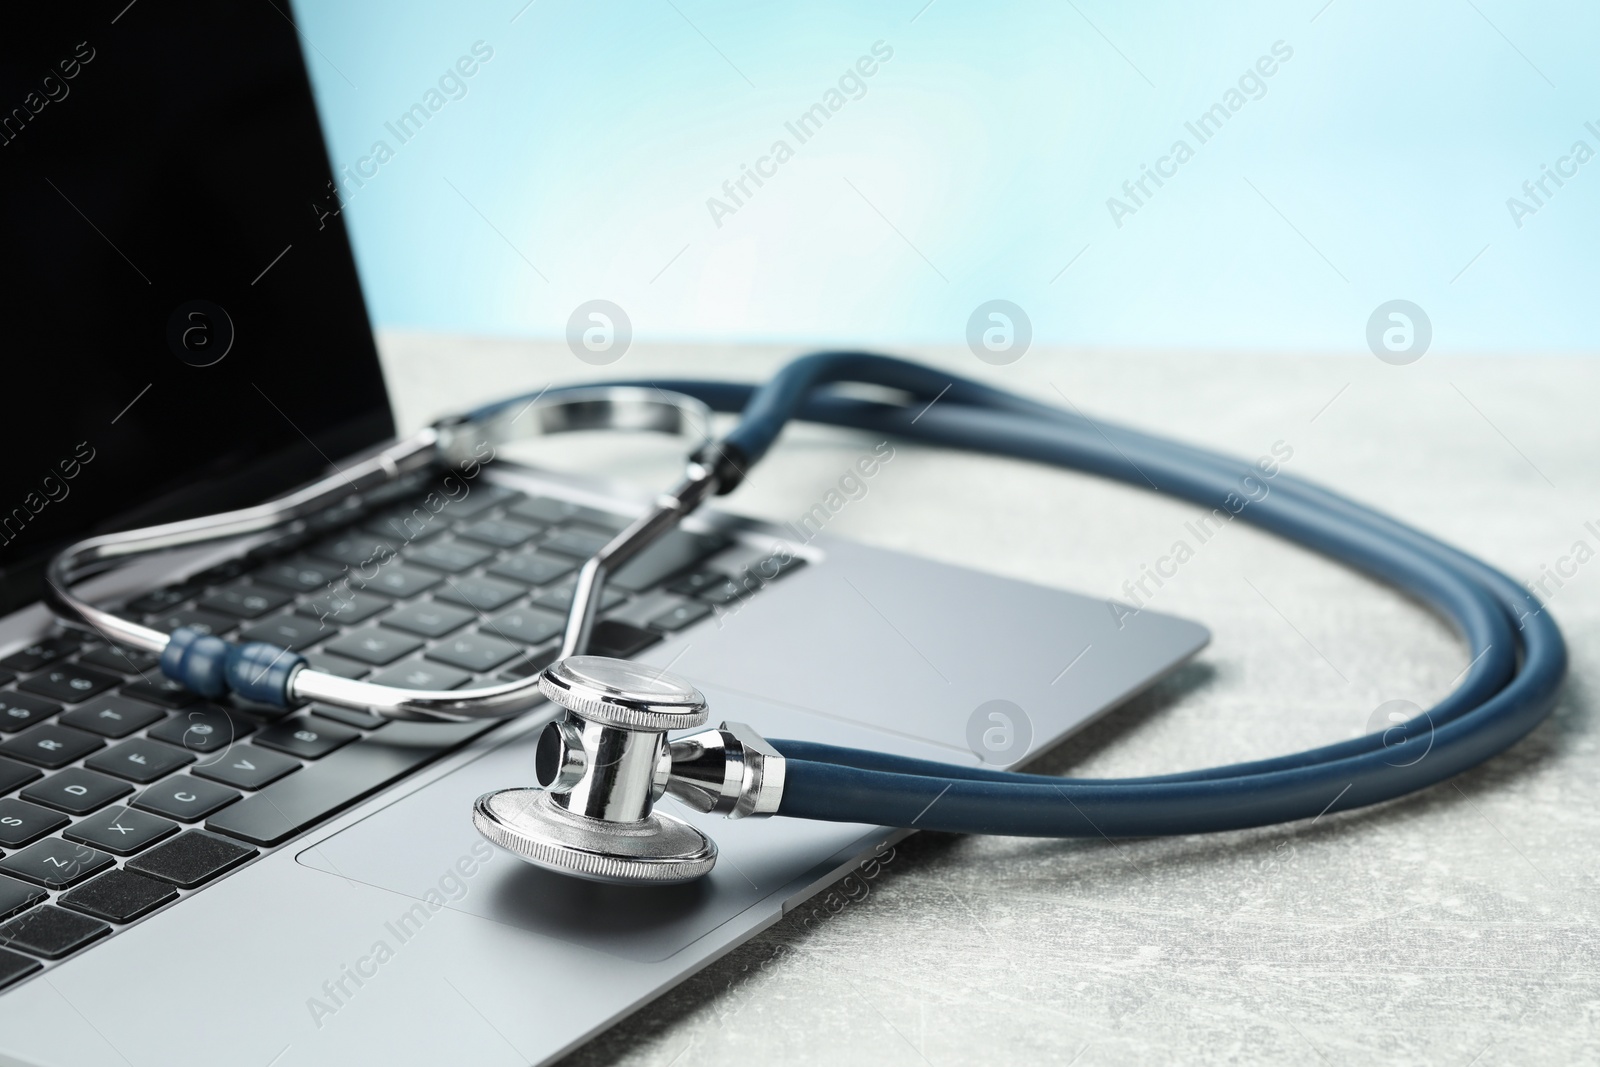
x,y
187,882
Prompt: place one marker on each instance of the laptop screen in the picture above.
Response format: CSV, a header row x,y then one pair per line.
x,y
183,323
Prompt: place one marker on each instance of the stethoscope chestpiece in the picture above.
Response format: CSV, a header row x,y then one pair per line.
x,y
605,761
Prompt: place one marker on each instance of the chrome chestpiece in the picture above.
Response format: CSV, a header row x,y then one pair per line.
x,y
606,761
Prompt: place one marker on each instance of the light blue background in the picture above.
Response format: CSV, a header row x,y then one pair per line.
x,y
977,166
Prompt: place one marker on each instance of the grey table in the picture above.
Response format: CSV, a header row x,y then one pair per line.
x,y
1453,927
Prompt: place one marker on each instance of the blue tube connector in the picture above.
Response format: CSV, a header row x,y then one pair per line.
x,y
214,668
197,660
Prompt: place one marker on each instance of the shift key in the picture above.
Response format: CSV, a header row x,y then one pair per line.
x,y
340,779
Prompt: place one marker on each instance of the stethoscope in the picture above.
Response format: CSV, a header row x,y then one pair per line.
x,y
610,756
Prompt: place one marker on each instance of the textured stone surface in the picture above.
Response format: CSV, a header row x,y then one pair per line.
x,y
1453,927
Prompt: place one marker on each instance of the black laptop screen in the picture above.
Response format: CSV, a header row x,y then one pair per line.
x,y
183,326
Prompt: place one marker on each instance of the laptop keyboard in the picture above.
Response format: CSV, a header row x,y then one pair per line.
x,y
121,792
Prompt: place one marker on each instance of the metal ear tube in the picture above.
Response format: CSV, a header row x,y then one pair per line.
x,y
604,764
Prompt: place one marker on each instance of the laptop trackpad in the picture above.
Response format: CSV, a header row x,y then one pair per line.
x,y
425,848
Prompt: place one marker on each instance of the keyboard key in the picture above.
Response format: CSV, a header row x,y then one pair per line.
x,y
119,896
160,600
619,639
357,548
54,863
676,551
21,823
473,652
306,736
159,689
532,663
246,767
14,967
429,619
113,716
185,798
70,682
696,582
722,592
358,770
399,581
190,859
531,626
41,653
374,645
19,709
14,774
553,512
124,660
226,571
337,665
300,575
344,608
207,622
420,674
140,760
452,557
772,568
501,533
123,831
531,568
365,720
245,600
208,729
484,594
685,614
479,499
49,745
293,632
51,932
405,525
559,597
76,791
18,896
577,541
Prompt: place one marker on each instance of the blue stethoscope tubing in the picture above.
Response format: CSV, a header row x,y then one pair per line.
x,y
1513,681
